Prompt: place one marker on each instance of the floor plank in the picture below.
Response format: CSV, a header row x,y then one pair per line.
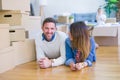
x,y
107,67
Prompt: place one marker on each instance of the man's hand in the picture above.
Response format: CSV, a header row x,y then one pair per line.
x,y
45,63
72,66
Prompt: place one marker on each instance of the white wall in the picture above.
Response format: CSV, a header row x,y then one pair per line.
x,y
36,7
71,6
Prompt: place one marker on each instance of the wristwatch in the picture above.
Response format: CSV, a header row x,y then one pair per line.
x,y
52,60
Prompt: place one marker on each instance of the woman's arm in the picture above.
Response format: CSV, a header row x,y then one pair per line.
x,y
92,55
69,54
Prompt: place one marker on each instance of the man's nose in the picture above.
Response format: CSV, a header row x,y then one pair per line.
x,y
49,30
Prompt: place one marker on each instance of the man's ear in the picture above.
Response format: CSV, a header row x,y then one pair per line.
x,y
42,27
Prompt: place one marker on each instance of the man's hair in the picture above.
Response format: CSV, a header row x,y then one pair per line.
x,y
49,19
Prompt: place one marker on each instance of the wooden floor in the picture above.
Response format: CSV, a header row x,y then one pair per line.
x,y
107,67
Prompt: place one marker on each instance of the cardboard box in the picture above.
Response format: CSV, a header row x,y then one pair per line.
x,y
12,17
107,41
32,25
24,51
63,19
7,59
106,36
23,5
62,28
4,36
110,20
105,31
17,34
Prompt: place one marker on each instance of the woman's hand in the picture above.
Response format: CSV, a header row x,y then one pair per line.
x,y
81,65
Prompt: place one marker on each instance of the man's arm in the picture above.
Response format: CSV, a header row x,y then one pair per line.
x,y
39,51
60,60
42,60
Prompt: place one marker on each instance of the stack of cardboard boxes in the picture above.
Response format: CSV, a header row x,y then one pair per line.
x,y
6,51
63,28
15,24
13,12
63,19
64,22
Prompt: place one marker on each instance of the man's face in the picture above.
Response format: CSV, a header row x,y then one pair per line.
x,y
48,30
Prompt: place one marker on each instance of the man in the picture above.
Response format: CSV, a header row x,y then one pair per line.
x,y
50,45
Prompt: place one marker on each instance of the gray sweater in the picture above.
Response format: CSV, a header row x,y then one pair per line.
x,y
53,50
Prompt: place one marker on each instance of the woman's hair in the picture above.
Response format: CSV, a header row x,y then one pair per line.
x,y
80,38
49,19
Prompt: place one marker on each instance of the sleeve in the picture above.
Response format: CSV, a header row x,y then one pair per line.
x,y
104,17
61,60
69,54
39,51
92,55
97,17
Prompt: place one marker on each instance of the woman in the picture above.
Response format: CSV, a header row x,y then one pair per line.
x,y
80,47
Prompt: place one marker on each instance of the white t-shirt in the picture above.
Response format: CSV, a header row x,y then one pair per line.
x,y
101,19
